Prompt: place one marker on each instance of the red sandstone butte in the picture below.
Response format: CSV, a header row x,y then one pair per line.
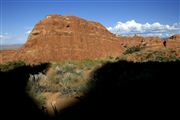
x,y
59,37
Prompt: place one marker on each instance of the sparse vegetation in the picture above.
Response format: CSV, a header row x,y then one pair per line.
x,y
11,65
132,49
73,78
68,78
161,55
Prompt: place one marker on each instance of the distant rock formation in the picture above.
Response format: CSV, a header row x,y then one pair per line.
x,y
175,37
174,42
59,37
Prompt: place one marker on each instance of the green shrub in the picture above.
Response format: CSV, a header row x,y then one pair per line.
x,y
11,65
39,99
89,63
34,86
69,68
161,56
132,49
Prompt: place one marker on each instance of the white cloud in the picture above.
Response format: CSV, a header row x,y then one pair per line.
x,y
28,32
155,29
1,36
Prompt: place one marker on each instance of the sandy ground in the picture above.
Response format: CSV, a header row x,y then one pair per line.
x,y
58,102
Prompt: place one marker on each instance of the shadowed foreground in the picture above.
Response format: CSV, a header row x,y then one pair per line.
x,y
130,90
17,104
120,89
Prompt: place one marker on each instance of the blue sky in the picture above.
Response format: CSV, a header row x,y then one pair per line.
x,y
149,17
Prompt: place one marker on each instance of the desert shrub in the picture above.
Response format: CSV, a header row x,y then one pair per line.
x,y
110,57
132,49
70,78
38,98
11,65
34,86
69,68
88,64
73,90
55,80
160,55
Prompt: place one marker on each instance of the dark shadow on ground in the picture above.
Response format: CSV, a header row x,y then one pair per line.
x,y
130,90
15,102
120,89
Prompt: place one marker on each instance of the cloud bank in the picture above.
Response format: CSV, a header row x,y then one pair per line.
x,y
155,29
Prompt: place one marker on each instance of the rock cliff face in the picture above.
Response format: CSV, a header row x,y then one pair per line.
x,y
69,38
174,41
59,37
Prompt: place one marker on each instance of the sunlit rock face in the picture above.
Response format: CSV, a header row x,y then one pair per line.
x,y
69,38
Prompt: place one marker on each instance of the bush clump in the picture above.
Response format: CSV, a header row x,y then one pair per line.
x,y
11,65
160,55
132,49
